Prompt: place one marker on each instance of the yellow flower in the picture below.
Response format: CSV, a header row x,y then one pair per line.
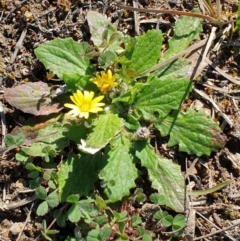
x,y
84,104
105,81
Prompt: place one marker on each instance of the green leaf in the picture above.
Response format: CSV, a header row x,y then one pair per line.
x,y
52,200
120,172
41,193
52,184
104,35
77,175
77,81
93,235
146,51
99,26
158,199
65,56
51,143
52,231
167,221
166,177
106,127
180,68
136,220
210,190
74,213
185,31
161,96
146,237
72,199
131,123
14,140
42,209
179,221
32,167
75,131
105,233
194,132
33,175
106,59
159,215
47,175
120,217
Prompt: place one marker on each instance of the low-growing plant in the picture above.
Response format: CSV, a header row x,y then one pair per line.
x,y
116,107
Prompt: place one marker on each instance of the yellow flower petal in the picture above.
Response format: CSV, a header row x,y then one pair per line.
x,y
105,81
84,103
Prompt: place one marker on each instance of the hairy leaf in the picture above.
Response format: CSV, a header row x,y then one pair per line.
x,y
146,51
51,140
77,175
194,132
186,30
166,177
32,98
66,56
120,172
105,128
104,35
161,96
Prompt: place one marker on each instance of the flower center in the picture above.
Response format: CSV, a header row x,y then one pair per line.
x,y
85,107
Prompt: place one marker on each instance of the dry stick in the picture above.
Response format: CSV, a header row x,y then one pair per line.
x,y
25,223
200,64
136,18
204,96
18,45
227,76
219,231
209,43
14,205
233,239
190,14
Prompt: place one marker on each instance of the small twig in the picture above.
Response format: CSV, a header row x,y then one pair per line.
x,y
219,231
25,223
227,76
14,205
190,14
136,18
233,239
204,96
18,45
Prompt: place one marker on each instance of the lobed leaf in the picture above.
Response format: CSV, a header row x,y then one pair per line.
x,y
194,132
166,177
